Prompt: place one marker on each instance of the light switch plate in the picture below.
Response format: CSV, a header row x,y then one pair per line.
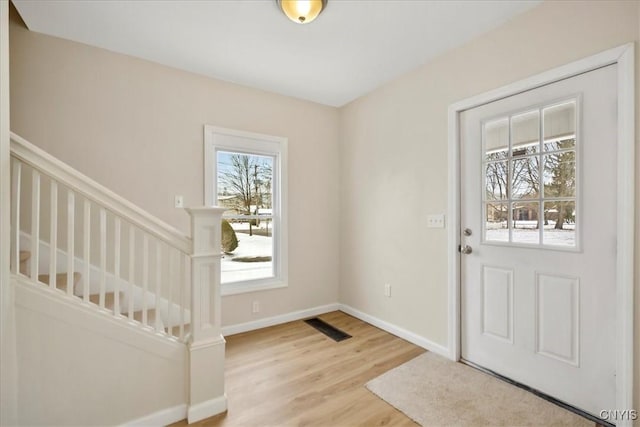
x,y
179,202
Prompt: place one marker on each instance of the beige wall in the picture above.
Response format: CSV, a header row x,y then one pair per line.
x,y
394,156
137,128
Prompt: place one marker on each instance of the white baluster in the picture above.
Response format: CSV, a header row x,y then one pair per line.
x,y
15,211
71,224
158,283
183,283
87,249
171,280
145,276
103,256
35,224
116,265
53,231
132,268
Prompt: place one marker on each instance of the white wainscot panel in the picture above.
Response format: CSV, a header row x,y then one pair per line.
x,y
557,311
497,303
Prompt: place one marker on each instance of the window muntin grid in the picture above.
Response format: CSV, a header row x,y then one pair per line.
x,y
530,183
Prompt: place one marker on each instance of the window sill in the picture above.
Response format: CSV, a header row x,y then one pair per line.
x,y
236,288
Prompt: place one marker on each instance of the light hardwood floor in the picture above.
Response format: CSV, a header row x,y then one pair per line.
x,y
292,374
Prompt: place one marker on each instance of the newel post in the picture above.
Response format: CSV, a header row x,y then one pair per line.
x,y
206,348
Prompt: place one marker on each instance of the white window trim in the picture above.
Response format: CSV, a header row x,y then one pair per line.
x,y
222,139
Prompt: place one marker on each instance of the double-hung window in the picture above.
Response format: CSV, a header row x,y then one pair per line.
x,y
247,174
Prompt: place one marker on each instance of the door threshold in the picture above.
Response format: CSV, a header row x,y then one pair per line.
x,y
548,398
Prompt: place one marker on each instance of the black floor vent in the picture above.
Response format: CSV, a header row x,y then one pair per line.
x,y
327,329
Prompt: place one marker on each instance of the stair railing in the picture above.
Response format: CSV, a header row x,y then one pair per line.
x,y
88,243
78,240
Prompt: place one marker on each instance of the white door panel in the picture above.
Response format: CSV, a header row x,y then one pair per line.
x,y
537,299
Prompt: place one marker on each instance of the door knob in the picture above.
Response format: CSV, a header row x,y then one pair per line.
x,y
466,249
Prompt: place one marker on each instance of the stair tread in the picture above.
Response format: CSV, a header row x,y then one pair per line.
x,y
175,330
24,256
151,317
61,279
109,299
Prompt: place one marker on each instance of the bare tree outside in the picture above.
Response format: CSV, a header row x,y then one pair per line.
x,y
248,179
560,179
238,179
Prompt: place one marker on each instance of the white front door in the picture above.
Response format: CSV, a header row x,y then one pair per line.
x,y
538,218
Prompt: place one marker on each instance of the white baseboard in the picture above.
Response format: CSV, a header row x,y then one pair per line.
x,y
302,314
207,409
277,320
397,331
161,418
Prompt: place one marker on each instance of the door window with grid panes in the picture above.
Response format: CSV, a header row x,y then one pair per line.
x,y
530,177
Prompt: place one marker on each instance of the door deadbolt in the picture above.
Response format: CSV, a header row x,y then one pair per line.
x,y
467,232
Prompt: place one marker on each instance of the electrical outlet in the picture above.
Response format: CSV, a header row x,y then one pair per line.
x,y
435,221
387,289
179,202
255,307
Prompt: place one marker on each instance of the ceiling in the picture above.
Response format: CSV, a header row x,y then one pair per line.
x,y
352,48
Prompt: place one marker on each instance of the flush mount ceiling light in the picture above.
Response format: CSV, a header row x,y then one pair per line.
x,y
302,11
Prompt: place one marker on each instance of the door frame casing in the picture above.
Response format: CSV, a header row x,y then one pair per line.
x,y
623,56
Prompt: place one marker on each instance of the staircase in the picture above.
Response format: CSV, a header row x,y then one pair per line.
x,y
88,258
111,301
155,312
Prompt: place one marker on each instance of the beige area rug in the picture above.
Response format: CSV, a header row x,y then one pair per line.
x,y
434,391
